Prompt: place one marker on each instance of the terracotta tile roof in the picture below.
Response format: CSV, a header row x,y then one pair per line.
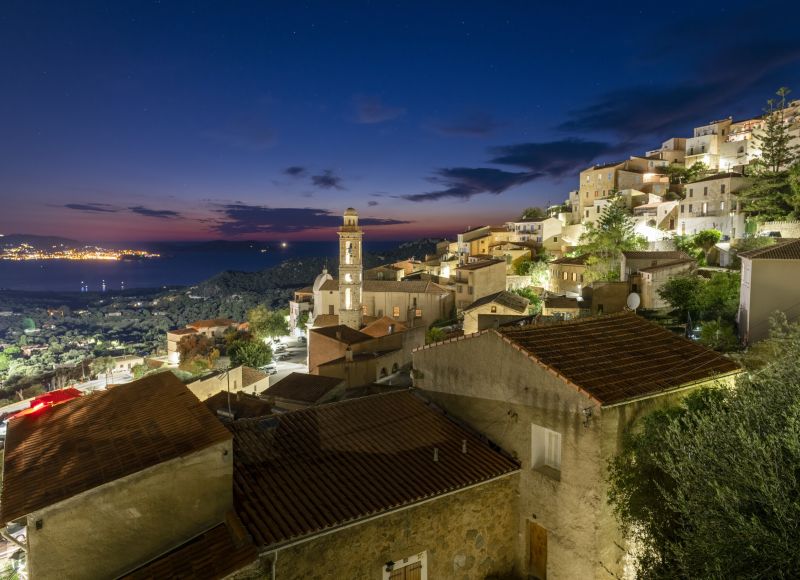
x,y
342,333
95,439
182,331
620,356
303,387
251,375
304,472
576,261
784,250
243,405
212,322
322,320
413,286
214,554
566,302
663,255
381,326
361,356
670,264
480,265
504,298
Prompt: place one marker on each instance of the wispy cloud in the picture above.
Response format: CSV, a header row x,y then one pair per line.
x,y
327,180
243,219
295,171
371,110
92,207
550,158
155,213
474,124
465,182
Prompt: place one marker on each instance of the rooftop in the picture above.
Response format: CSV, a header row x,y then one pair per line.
x,y
618,357
303,387
664,255
182,331
243,405
251,375
716,176
84,443
566,302
360,356
382,326
214,554
480,265
212,322
783,250
414,286
575,261
342,333
357,458
504,298
668,265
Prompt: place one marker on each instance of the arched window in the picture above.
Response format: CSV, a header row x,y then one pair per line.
x,y
383,373
394,368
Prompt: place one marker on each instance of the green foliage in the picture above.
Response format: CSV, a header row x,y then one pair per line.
x,y
678,174
139,371
251,353
195,345
749,243
28,324
714,299
535,306
5,361
707,239
266,323
434,334
710,489
533,213
302,320
607,239
719,335
774,193
782,335
538,270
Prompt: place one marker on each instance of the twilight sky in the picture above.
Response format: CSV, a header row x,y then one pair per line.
x,y
140,121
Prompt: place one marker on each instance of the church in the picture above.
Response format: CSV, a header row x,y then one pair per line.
x,y
363,331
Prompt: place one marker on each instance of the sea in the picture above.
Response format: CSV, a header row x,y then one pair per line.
x,y
177,266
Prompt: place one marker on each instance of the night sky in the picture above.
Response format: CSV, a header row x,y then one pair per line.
x,y
141,121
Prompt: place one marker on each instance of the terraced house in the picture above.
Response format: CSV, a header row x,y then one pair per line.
x,y
559,398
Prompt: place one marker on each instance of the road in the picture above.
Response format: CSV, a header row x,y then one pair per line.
x,y
296,363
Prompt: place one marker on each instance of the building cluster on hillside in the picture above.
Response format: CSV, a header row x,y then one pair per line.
x,y
479,452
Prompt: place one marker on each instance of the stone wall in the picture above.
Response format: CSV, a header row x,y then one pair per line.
x,y
787,229
467,535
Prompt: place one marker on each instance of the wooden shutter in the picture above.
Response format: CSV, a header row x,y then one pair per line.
x,y
537,562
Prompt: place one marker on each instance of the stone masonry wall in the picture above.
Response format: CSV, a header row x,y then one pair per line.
x,y
467,535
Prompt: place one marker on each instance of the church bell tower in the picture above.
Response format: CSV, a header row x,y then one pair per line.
x,y
350,270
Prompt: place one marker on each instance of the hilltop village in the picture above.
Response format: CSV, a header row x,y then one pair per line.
x,y
450,415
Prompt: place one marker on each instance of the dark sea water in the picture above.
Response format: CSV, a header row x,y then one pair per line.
x,y
177,266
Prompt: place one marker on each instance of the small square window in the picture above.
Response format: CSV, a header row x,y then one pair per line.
x,y
494,309
418,313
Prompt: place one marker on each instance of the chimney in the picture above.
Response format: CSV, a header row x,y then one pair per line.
x,y
348,355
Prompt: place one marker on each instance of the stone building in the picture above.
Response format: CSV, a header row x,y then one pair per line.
x,y
705,144
632,261
478,279
712,203
494,309
301,390
567,275
770,281
350,270
241,378
559,397
390,489
97,482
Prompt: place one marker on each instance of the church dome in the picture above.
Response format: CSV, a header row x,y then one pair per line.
x,y
350,211
321,279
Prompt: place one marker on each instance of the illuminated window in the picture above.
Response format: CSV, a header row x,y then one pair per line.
x,y
364,310
418,313
396,311
494,309
348,278
565,275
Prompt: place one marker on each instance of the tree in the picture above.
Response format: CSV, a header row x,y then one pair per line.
x,y
194,346
533,213
707,239
606,240
538,270
772,194
251,353
683,293
719,298
679,174
434,334
4,362
718,335
102,365
302,320
266,323
710,489
535,306
28,324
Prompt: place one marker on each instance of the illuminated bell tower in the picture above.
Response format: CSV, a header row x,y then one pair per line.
x,y
350,270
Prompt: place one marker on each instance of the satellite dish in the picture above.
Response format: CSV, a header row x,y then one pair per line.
x,y
633,301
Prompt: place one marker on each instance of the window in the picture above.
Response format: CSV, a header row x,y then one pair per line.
x,y
565,275
705,191
418,313
494,309
470,290
545,448
411,568
682,208
396,311
599,309
587,213
574,277
555,238
722,206
690,208
722,188
691,192
330,309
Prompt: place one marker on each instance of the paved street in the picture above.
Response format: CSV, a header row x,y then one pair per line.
x,y
296,362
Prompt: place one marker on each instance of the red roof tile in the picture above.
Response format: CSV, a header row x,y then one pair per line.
x,y
211,555
784,250
95,439
303,387
308,471
620,356
480,265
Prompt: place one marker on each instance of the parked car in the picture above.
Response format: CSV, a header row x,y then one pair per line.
x,y
279,348
270,369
